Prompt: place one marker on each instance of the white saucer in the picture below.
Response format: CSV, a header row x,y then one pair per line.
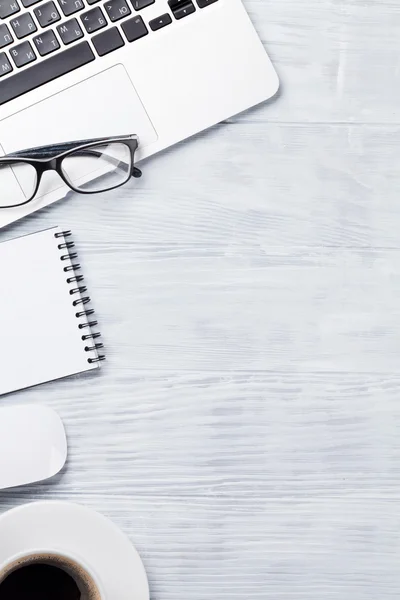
x,y
75,529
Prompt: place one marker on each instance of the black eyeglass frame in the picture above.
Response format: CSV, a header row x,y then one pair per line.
x,y
50,158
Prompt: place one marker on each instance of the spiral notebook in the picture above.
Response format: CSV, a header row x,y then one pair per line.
x,y
47,325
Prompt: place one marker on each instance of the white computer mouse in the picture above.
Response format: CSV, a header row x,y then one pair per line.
x,y
33,445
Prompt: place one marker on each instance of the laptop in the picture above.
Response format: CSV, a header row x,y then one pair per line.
x,y
162,69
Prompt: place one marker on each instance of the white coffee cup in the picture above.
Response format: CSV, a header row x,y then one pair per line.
x,y
86,580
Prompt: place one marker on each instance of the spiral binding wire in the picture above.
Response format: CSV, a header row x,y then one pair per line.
x,y
82,300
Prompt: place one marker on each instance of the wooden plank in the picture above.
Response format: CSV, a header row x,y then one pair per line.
x,y
322,310
225,435
208,548
249,186
336,60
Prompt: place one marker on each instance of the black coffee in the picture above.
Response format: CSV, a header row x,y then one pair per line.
x,y
39,582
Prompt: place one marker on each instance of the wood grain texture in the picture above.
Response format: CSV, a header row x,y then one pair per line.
x,y
225,435
337,60
244,431
287,310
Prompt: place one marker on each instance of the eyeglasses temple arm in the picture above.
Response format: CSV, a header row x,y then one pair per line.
x,y
114,161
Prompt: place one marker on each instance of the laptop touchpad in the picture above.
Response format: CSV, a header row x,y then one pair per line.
x,y
104,105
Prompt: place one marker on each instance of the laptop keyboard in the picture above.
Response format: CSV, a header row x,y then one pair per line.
x,y
42,41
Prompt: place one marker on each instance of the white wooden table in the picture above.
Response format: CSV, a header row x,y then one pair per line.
x,y
245,430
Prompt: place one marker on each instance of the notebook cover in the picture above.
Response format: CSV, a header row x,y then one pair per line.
x,y
47,324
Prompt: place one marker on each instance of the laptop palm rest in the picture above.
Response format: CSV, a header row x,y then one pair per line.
x,y
79,113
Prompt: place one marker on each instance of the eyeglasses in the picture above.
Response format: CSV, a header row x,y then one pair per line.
x,y
87,167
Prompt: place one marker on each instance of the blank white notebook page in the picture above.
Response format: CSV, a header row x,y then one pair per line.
x,y
40,337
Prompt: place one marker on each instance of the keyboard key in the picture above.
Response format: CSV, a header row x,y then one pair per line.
x,y
204,3
22,54
140,4
93,20
116,9
183,9
5,65
92,1
8,8
46,42
44,71
69,7
175,4
160,22
23,25
134,29
47,14
70,31
108,41
5,36
29,3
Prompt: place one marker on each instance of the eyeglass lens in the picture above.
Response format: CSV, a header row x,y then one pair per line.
x,y
98,168
14,177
